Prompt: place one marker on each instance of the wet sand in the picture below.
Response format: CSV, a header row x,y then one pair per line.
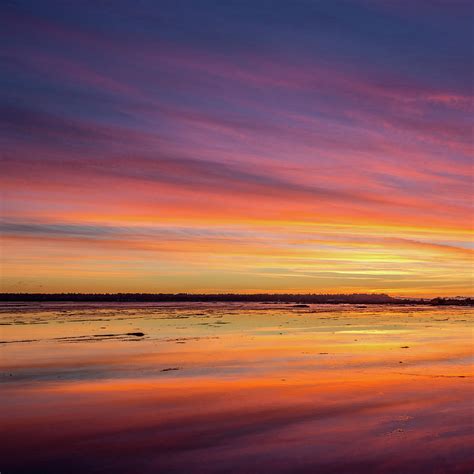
x,y
235,388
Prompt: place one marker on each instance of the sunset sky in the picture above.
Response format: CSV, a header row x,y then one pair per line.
x,y
242,146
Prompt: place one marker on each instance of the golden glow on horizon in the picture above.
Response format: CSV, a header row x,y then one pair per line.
x,y
268,257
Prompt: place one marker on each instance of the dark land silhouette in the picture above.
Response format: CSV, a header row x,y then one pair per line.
x,y
300,299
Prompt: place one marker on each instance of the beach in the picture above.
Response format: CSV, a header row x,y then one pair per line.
x,y
235,388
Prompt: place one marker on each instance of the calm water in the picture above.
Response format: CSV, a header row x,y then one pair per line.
x,y
235,388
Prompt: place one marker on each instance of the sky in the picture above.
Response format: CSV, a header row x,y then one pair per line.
x,y
237,146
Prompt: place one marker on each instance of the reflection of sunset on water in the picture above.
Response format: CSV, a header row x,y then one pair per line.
x,y
257,387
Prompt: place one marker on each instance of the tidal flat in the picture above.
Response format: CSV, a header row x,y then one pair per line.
x,y
235,388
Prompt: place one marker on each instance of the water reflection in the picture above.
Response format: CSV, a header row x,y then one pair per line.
x,y
236,388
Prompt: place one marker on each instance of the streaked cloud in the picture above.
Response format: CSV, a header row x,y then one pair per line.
x,y
324,141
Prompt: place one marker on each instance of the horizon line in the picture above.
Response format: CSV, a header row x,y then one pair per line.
x,y
375,297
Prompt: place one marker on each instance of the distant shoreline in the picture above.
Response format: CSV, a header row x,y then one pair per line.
x,y
358,298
